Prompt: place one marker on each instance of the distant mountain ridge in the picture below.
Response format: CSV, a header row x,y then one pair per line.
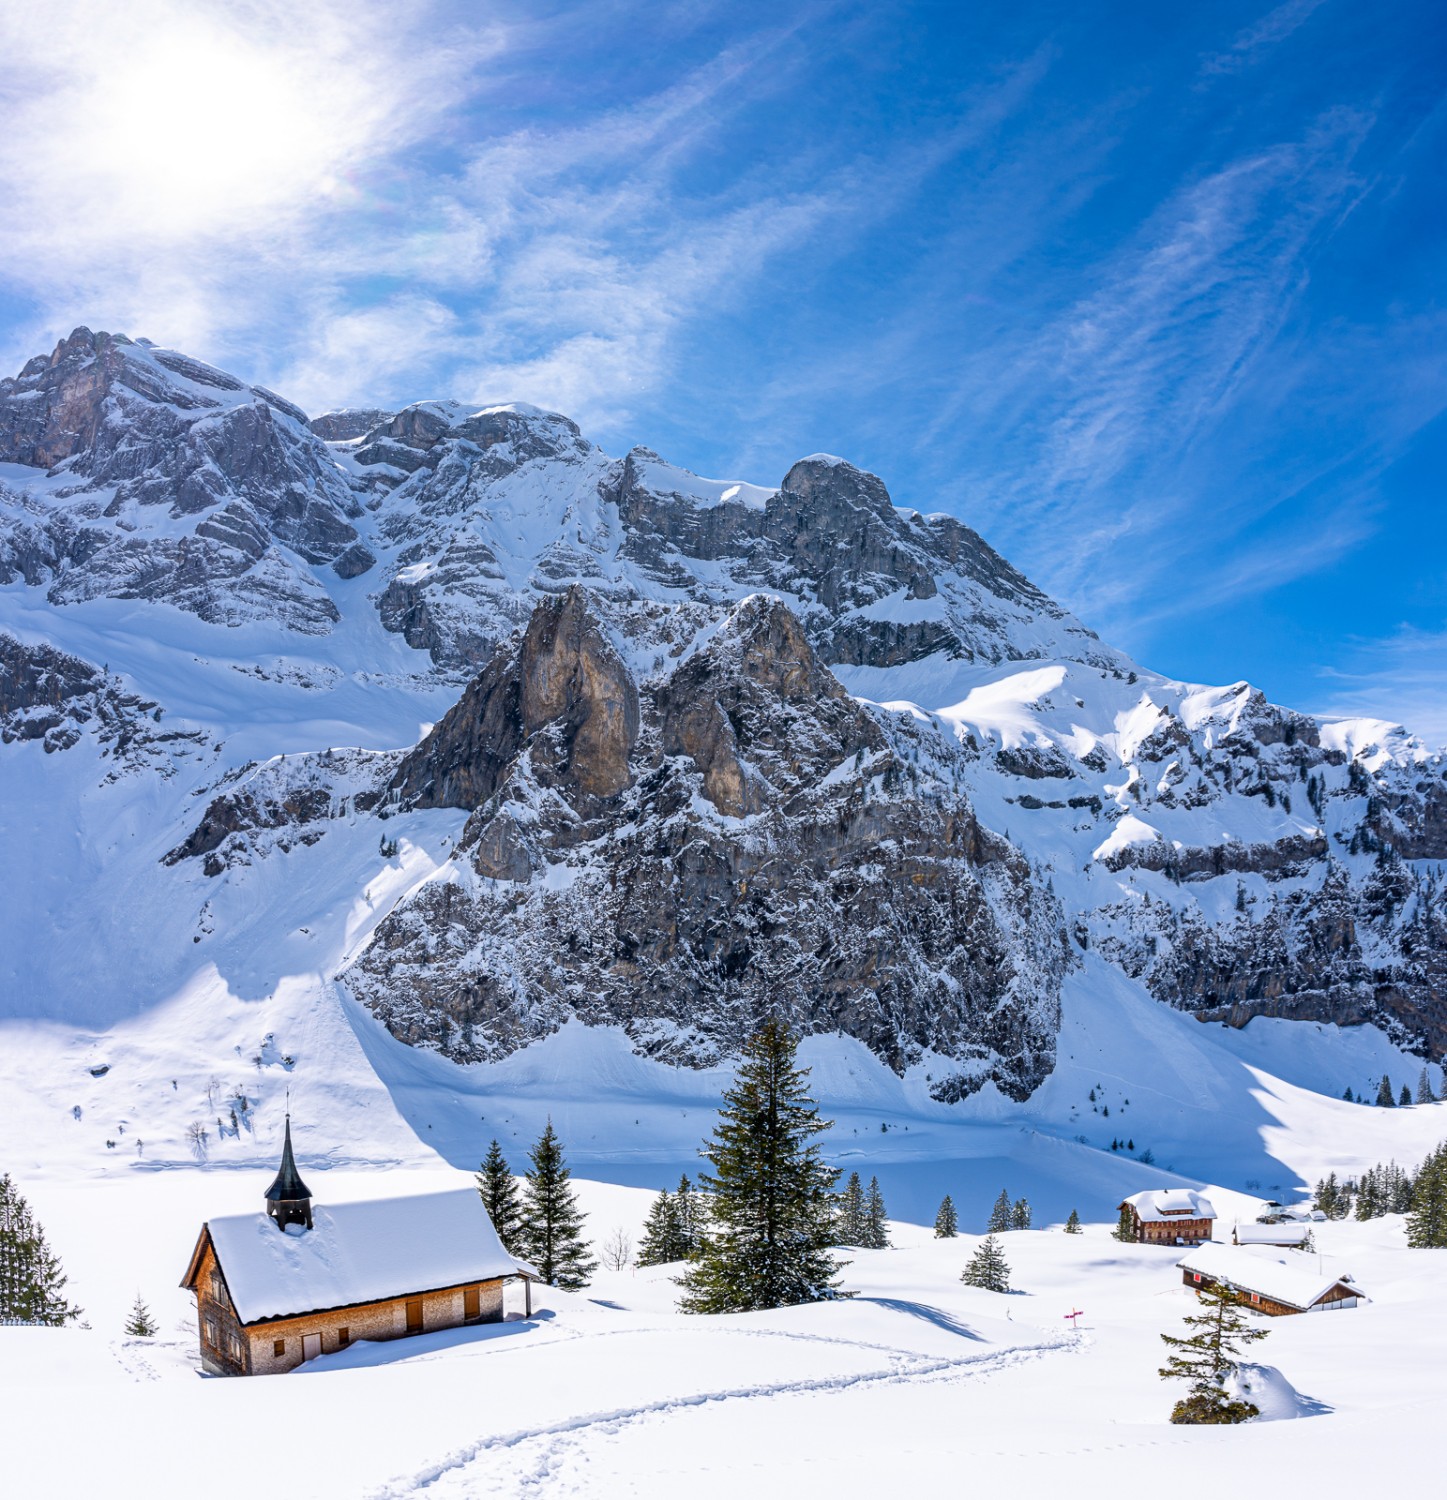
x,y
718,747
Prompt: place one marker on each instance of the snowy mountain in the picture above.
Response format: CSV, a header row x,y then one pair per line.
x,y
448,715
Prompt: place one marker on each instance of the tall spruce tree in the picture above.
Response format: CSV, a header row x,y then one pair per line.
x,y
500,1197
140,1324
1219,1332
771,1195
1001,1215
32,1283
1424,1088
1125,1230
1384,1092
987,1267
947,1221
1427,1222
550,1228
1072,1224
876,1218
663,1238
690,1215
1020,1214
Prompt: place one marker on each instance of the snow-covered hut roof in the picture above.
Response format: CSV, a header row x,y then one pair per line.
x,y
1296,1280
1160,1205
1271,1234
359,1252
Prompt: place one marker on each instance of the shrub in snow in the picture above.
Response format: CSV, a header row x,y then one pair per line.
x,y
140,1324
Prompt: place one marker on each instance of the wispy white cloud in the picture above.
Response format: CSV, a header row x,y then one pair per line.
x,y
1254,42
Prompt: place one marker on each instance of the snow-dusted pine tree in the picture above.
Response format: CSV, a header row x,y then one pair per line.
x,y
1124,1230
691,1214
499,1191
1384,1092
1072,1224
550,1231
876,1219
1424,1088
1020,1214
1001,1215
771,1195
663,1239
947,1221
987,1267
140,1324
851,1216
32,1284
1207,1354
1427,1222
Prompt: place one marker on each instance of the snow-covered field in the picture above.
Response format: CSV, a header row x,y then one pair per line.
x,y
916,1382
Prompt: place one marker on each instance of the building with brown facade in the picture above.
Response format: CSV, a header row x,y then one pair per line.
x,y
1269,1282
283,1285
1170,1216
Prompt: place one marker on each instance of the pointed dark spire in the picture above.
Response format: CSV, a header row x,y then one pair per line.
x,y
288,1199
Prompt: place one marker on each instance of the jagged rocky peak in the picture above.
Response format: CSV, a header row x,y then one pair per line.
x,y
560,675
737,836
143,438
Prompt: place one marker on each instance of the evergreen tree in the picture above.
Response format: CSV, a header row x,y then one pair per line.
x,y
1424,1089
1219,1332
32,1284
1020,1214
1124,1230
550,1230
1427,1223
1384,1092
876,1220
1001,1215
851,1214
140,1324
1347,1093
690,1216
947,1221
987,1267
771,1193
663,1239
1405,1097
499,1191
1072,1224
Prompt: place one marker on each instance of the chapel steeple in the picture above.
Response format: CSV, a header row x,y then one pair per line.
x,y
288,1199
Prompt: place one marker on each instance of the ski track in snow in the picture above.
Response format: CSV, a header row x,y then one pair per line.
x,y
564,1438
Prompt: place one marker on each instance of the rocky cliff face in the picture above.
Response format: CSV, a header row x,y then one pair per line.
x,y
735,837
678,800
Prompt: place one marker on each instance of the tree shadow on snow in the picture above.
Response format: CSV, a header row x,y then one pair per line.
x,y
927,1314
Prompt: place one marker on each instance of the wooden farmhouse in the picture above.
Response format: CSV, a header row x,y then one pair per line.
x,y
278,1287
1269,1282
1284,1236
1170,1216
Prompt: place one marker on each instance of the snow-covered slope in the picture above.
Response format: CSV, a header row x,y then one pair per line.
x,y
225,633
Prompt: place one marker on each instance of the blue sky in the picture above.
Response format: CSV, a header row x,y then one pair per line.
x,y
1152,296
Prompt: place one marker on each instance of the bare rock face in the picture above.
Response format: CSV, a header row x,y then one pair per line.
x,y
144,438
737,837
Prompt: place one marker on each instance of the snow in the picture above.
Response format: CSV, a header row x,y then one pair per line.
x,y
359,1252
1297,1278
1158,1206
1271,1234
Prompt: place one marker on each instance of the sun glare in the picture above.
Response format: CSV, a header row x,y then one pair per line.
x,y
199,130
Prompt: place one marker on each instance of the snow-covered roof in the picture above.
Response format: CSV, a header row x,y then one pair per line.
x,y
1294,1279
359,1252
1271,1234
1160,1205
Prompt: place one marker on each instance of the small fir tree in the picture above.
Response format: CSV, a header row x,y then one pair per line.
x,y
1405,1097
550,1231
1207,1354
663,1238
1125,1227
1384,1093
1001,1214
32,1283
1072,1224
1347,1093
987,1268
1020,1214
1427,1222
771,1193
140,1324
499,1191
851,1216
947,1221
876,1219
